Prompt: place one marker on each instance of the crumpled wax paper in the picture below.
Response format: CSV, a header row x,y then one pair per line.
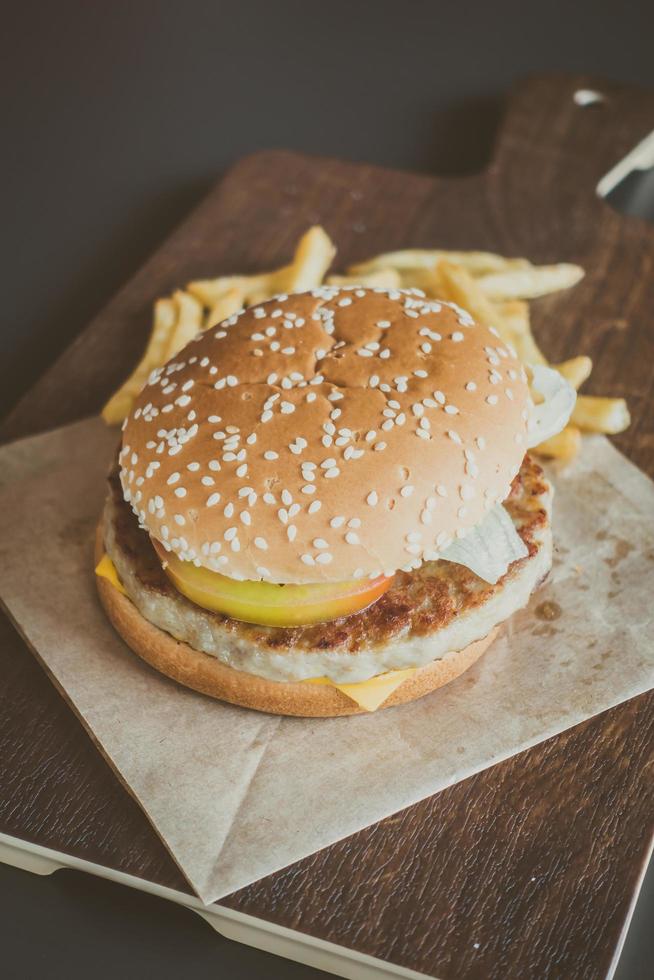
x,y
235,794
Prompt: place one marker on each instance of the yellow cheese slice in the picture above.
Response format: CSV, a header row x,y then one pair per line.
x,y
370,694
106,569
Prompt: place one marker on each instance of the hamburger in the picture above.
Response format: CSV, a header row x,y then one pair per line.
x,y
326,504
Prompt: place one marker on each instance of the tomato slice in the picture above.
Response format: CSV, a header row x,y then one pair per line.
x,y
266,603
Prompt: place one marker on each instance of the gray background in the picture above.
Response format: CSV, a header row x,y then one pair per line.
x,y
115,118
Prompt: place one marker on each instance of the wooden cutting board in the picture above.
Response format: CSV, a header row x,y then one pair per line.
x,y
527,869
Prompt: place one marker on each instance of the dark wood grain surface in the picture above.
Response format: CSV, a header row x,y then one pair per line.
x,y
528,869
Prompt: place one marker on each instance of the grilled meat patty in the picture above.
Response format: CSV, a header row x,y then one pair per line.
x,y
427,613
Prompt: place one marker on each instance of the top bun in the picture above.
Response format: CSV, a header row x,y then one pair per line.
x,y
325,436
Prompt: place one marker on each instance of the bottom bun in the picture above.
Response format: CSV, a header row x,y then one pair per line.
x,y
203,673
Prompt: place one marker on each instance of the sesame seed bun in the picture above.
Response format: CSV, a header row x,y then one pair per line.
x,y
326,436
208,675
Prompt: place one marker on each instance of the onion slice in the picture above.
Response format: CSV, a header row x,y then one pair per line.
x,y
553,413
489,548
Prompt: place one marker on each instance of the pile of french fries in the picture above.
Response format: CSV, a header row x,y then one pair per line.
x,y
492,288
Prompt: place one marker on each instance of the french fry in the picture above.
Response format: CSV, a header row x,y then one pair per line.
x,y
189,322
516,323
575,371
564,445
210,291
477,263
425,279
530,281
608,415
313,256
227,304
381,278
120,403
454,283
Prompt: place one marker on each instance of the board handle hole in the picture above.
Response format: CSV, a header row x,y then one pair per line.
x,y
588,98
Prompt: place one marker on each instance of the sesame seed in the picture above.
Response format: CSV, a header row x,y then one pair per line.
x,y
180,491
291,532
261,544
379,447
320,543
270,454
454,436
245,517
173,478
457,337
337,521
229,510
492,399
307,559
352,538
451,410
180,519
372,498
308,488
407,490
213,499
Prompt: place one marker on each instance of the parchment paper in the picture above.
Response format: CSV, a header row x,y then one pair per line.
x,y
237,795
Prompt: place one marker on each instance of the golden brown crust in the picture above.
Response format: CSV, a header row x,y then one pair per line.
x,y
326,436
208,676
